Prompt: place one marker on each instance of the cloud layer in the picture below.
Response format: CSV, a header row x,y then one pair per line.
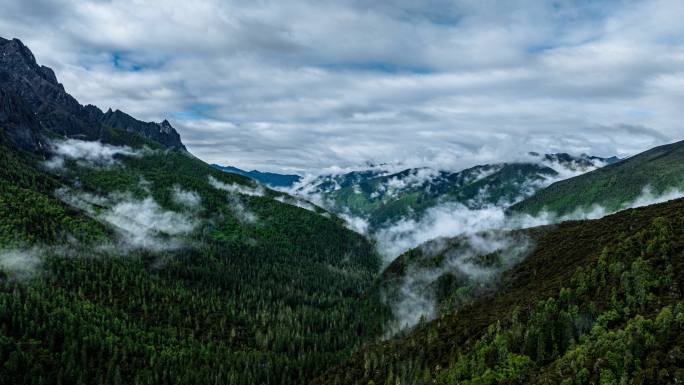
x,y
303,84
452,219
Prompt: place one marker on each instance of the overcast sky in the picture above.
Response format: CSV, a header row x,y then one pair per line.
x,y
302,85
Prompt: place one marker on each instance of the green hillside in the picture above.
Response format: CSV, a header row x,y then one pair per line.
x,y
126,260
614,186
385,199
274,301
594,302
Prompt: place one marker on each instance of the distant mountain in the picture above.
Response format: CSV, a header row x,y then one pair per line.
x,y
267,178
34,105
582,161
656,171
162,132
384,198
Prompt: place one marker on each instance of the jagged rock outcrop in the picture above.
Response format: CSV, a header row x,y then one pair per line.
x,y
33,103
162,132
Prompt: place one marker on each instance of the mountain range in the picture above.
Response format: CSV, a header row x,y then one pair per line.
x,y
385,197
270,179
124,259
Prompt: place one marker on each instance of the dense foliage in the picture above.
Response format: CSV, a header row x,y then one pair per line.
x,y
276,301
28,212
129,261
610,312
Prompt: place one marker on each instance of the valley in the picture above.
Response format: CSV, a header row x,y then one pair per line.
x,y
125,259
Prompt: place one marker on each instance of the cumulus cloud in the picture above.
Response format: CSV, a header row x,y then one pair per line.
x,y
248,84
92,153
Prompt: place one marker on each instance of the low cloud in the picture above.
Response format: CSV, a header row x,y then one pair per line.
x,y
257,190
293,201
140,223
445,220
453,219
145,224
90,153
241,212
189,199
20,263
648,197
414,178
235,203
355,223
415,297
318,189
478,232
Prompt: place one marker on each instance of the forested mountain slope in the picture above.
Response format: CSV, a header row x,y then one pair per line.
x,y
384,198
126,260
593,302
655,171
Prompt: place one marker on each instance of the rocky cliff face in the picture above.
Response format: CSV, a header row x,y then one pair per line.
x,y
162,132
33,103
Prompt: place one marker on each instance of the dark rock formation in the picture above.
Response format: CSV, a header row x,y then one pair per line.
x,y
33,103
162,132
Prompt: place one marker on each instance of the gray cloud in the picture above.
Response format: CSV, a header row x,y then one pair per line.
x,y
480,232
139,223
189,199
88,153
235,203
303,85
19,263
452,219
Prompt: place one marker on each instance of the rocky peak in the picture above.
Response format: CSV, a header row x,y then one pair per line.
x,y
32,89
166,127
162,132
17,59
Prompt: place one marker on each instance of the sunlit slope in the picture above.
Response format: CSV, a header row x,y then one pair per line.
x,y
612,187
594,302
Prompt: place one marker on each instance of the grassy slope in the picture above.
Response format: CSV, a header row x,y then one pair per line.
x,y
277,301
517,335
614,185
